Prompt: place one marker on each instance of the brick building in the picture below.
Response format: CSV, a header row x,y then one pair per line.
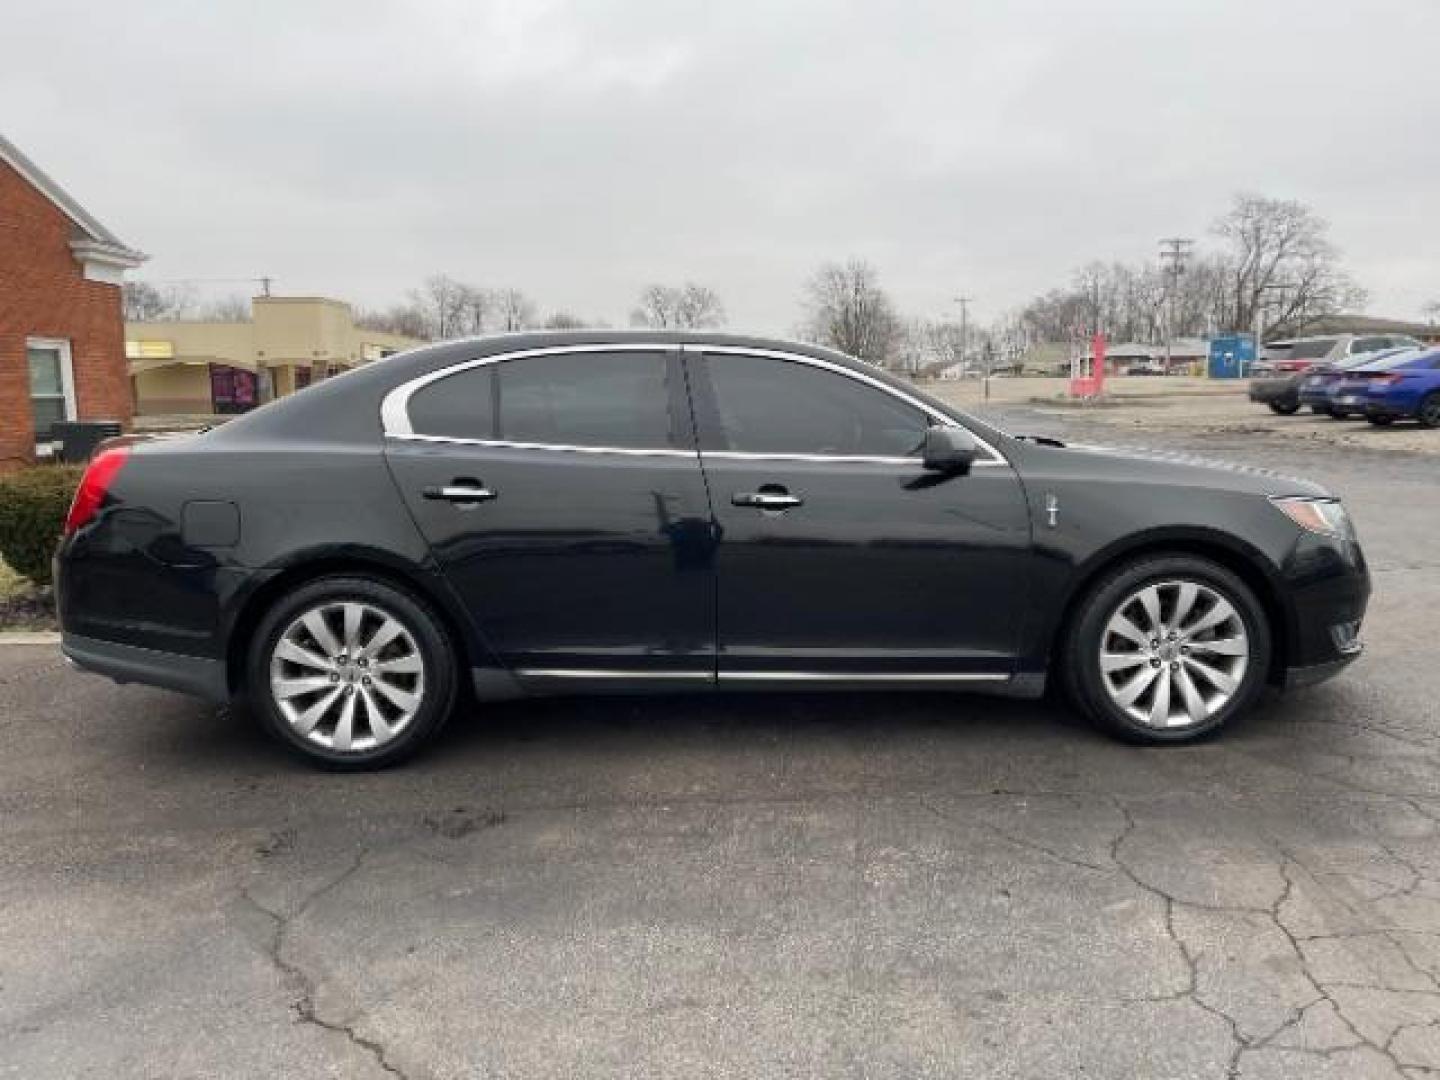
x,y
62,338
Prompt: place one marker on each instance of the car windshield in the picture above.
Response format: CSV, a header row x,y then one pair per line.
x,y
1313,349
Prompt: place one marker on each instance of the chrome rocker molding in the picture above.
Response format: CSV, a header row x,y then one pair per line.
x,y
395,407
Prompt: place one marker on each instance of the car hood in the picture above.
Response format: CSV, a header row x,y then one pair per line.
x,y
1145,465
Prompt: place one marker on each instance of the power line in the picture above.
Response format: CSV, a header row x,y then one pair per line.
x,y
1174,254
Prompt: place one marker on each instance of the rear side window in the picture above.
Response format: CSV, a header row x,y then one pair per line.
x,y
597,399
461,406
768,406
586,399
1311,350
1369,344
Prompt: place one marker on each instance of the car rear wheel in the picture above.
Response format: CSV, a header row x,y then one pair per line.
x,y
351,672
1285,408
1381,421
1429,414
1322,410
1167,649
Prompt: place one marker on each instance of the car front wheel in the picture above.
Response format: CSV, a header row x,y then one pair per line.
x,y
1167,649
351,672
1429,414
1285,408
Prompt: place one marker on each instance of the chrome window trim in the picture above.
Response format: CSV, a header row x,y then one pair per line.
x,y
865,676
995,457
610,673
395,406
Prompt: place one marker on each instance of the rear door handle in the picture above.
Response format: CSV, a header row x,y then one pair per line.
x,y
460,491
766,500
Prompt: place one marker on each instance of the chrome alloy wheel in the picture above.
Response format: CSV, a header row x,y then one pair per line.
x,y
1174,653
347,676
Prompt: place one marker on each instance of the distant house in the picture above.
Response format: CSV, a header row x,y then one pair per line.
x,y
188,367
62,353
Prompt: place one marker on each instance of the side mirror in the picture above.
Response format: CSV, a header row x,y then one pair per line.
x,y
949,449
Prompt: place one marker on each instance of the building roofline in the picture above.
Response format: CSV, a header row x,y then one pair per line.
x,y
99,242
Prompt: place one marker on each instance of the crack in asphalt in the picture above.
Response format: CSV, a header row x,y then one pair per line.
x,y
303,1003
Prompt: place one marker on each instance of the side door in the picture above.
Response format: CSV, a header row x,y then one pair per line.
x,y
841,558
562,496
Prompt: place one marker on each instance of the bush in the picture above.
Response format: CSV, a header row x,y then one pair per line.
x,y
33,505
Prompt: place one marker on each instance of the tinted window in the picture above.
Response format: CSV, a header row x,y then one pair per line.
x,y
781,407
585,399
459,405
1369,344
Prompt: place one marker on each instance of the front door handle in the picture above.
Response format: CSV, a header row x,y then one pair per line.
x,y
766,500
460,491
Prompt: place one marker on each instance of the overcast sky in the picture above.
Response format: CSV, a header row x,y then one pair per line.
x,y
580,149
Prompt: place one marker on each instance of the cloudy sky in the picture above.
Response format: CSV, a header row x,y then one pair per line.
x,y
580,149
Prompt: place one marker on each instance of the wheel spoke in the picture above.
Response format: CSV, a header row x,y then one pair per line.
x,y
321,632
387,632
1194,703
1236,646
1220,613
1127,694
1150,601
1121,661
375,717
1160,703
345,726
305,722
408,664
1184,602
297,654
353,615
288,688
403,700
1217,678
1125,627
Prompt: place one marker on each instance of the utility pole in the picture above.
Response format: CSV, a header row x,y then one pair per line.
x,y
1174,253
964,302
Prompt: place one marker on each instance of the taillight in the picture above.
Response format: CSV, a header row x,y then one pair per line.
x,y
1385,380
93,486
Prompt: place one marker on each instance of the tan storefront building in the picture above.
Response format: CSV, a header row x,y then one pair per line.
x,y
186,368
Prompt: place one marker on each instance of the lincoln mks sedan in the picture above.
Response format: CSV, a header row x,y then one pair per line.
x,y
636,512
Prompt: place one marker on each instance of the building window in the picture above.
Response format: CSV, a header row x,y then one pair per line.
x,y
52,384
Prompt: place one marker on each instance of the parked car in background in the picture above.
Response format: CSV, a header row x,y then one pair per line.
x,y
1316,384
1280,388
1404,386
619,511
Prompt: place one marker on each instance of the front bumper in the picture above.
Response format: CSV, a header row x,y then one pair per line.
x,y
195,675
1386,408
1313,674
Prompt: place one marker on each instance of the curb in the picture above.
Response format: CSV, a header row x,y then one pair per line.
x,y
29,637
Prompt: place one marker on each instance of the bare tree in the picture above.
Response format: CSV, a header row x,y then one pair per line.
x,y
141,301
1431,311
565,320
473,309
442,299
407,319
847,310
234,308
1281,246
513,309
687,307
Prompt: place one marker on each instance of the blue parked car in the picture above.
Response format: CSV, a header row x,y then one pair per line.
x,y
1316,384
1403,386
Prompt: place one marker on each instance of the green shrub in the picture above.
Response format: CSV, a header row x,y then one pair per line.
x,y
33,505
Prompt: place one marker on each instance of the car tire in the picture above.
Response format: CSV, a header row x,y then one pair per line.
x,y
1429,411
1285,408
1381,421
1321,410
1207,676
1339,414
351,672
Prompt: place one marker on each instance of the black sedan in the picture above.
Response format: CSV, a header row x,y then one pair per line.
x,y
636,512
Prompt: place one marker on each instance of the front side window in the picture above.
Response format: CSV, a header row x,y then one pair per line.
x,y
52,393
606,400
768,406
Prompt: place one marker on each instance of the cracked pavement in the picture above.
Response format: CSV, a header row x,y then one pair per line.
x,y
885,885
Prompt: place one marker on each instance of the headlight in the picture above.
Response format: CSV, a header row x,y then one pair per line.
x,y
1324,516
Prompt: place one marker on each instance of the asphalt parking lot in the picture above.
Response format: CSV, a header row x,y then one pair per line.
x,y
757,886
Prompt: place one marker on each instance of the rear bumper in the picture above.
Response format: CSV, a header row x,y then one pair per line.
x,y
1387,408
1265,391
195,675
